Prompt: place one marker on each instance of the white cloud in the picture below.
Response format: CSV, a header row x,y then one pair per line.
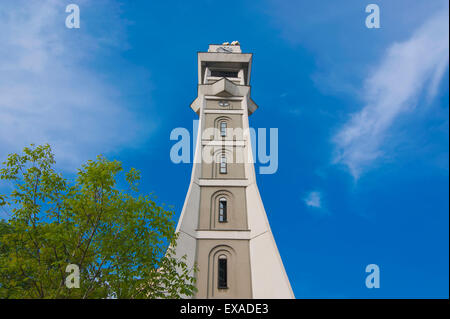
x,y
50,89
313,199
392,89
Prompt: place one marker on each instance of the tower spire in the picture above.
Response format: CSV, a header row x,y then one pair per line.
x,y
223,227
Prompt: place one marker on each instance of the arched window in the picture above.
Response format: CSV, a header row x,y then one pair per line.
x,y
223,164
222,272
223,129
222,210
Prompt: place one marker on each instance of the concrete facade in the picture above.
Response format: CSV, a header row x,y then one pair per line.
x,y
223,227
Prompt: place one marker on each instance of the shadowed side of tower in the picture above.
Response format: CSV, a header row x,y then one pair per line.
x,y
223,227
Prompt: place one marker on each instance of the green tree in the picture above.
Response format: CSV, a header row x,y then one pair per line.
x,y
122,242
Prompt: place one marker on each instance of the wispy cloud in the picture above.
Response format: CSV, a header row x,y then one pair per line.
x,y
407,69
51,88
313,199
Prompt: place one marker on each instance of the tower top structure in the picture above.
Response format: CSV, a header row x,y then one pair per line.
x,y
228,70
226,47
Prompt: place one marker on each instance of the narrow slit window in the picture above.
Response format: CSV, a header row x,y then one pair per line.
x,y
224,103
223,164
223,129
222,273
222,210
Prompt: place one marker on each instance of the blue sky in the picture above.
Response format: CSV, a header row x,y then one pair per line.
x,y
362,116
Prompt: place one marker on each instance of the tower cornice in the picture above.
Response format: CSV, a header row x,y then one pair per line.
x,y
223,88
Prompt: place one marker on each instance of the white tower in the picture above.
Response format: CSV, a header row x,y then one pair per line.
x,y
223,227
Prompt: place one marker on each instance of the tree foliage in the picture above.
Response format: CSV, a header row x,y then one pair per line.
x,y
122,242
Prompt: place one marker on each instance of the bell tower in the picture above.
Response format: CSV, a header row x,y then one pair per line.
x,y
223,227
